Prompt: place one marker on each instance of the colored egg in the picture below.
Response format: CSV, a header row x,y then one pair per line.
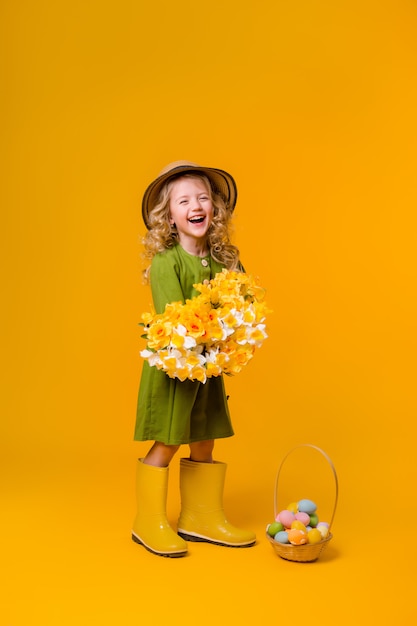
x,y
274,528
314,536
303,517
307,506
314,520
293,507
299,525
297,537
323,528
282,536
286,517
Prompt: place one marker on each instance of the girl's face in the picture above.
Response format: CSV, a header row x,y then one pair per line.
x,y
190,209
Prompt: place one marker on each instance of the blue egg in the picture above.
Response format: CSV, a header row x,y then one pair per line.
x,y
281,536
307,506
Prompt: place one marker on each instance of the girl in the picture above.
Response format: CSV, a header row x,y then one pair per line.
x,y
187,211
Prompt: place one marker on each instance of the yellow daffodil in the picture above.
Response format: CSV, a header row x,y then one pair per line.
x,y
159,334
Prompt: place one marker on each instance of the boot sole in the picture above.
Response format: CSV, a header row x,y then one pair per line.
x,y
201,539
169,555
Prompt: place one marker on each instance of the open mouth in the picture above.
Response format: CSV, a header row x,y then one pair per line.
x,y
196,220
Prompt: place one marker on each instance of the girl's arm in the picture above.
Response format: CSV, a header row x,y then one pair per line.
x,y
165,283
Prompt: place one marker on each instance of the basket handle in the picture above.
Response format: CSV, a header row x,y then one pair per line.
x,y
328,459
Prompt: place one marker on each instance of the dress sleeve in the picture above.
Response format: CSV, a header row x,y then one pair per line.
x,y
165,282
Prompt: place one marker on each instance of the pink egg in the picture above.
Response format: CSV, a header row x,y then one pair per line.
x,y
303,517
286,517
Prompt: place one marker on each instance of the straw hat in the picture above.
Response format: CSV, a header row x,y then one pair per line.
x,y
222,183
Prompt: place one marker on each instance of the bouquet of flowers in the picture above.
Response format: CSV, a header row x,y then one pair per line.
x,y
213,333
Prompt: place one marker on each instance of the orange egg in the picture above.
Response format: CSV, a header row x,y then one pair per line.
x,y
297,537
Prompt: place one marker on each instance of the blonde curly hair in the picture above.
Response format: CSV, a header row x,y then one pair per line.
x,y
161,235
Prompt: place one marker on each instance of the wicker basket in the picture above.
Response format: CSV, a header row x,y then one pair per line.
x,y
307,552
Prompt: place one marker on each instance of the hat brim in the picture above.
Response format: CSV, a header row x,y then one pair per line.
x,y
221,182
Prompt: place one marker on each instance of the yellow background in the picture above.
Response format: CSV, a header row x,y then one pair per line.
x,y
311,105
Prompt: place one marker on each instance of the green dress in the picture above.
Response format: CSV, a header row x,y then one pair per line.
x,y
168,410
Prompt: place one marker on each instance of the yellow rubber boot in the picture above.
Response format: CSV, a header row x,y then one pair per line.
x,y
151,527
202,517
